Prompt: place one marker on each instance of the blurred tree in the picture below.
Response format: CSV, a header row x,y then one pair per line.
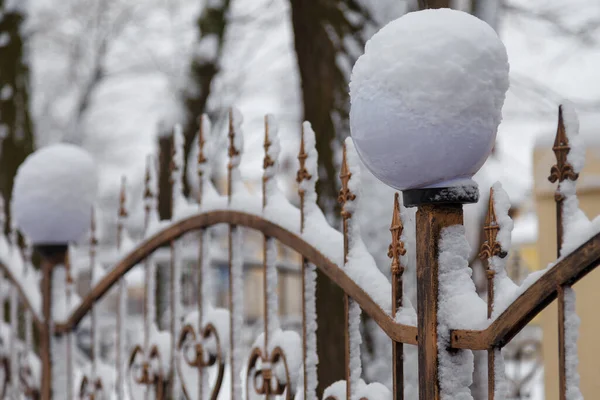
x,y
212,25
16,128
328,37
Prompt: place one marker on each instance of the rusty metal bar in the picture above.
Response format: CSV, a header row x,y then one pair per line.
x,y
344,196
491,248
122,297
396,250
560,172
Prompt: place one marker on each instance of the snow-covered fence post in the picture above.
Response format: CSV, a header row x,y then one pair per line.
x,y
236,288
437,209
306,177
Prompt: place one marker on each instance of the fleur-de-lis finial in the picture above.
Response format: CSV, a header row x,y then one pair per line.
x,y
93,237
123,199
201,141
345,194
148,194
173,167
396,248
267,162
491,248
302,173
562,169
232,151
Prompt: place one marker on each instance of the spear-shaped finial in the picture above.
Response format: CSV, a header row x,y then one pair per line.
x,y
93,236
345,194
396,248
562,169
491,247
201,141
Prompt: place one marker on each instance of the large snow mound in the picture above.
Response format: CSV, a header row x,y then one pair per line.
x,y
54,191
429,88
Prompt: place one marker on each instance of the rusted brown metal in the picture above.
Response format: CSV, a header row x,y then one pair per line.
x,y
148,375
202,358
302,175
232,152
201,157
561,171
49,261
395,251
430,221
122,214
344,196
503,329
491,248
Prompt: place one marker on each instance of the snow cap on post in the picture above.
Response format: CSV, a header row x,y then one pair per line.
x,y
53,195
436,100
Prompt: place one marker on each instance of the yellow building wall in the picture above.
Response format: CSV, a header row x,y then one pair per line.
x,y
587,292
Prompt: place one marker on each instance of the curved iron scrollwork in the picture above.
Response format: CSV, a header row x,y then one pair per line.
x,y
149,372
201,357
264,380
90,389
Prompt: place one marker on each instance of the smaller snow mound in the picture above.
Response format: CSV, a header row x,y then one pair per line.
x,y
54,191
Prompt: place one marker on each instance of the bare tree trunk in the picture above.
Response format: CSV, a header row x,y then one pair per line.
x,y
16,128
212,23
318,26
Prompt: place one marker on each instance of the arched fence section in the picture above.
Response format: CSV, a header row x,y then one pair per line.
x,y
201,353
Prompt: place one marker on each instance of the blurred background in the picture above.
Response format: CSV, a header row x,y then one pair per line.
x,y
114,76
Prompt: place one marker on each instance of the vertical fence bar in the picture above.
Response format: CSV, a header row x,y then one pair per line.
x,y
202,269
235,263
306,178
346,195
491,248
122,297
560,172
95,348
70,350
177,165
396,250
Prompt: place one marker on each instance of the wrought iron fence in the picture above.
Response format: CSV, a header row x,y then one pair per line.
x,y
200,355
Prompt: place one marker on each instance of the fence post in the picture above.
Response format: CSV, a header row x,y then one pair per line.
x,y
437,208
52,255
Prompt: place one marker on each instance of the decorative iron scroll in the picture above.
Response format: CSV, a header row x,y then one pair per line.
x,y
197,355
149,371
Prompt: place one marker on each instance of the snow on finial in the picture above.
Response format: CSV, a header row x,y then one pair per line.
x,y
236,144
270,162
498,230
307,174
123,240
150,195
203,164
576,156
569,159
177,165
350,176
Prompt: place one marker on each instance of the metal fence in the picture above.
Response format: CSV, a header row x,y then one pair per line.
x,y
200,355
